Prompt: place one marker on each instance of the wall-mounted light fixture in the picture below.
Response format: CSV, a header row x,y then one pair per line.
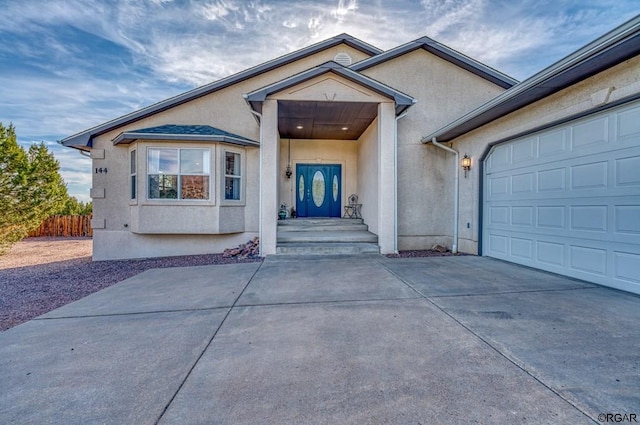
x,y
466,164
288,171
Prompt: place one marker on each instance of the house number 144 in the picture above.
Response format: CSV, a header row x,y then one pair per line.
x,y
101,170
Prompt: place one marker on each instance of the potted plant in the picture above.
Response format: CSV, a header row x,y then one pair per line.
x,y
282,214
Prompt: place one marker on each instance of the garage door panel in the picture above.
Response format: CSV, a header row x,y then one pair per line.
x,y
569,142
628,171
588,259
626,267
627,219
628,125
617,268
589,176
553,143
590,132
523,150
591,218
522,216
567,199
579,177
523,183
522,247
551,253
552,180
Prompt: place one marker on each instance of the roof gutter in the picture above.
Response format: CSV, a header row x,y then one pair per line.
x,y
456,190
395,181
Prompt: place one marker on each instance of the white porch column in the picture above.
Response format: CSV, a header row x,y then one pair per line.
x,y
386,179
269,147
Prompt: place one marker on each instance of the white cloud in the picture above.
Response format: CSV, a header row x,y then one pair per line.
x,y
344,8
217,10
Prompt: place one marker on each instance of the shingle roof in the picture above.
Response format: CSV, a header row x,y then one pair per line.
x,y
201,133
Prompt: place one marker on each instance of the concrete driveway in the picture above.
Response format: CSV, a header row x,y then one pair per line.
x,y
355,340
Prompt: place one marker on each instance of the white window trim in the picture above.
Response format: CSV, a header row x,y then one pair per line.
x,y
223,176
133,176
165,201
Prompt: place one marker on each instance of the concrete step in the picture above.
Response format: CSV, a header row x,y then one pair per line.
x,y
324,228
332,248
296,222
326,236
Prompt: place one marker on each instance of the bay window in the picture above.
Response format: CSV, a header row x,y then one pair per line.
x,y
232,176
178,173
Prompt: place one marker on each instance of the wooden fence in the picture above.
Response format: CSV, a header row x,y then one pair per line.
x,y
65,226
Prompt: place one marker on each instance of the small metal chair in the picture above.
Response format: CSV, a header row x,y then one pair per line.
x,y
353,209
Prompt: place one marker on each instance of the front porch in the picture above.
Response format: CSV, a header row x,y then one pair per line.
x,y
318,236
326,134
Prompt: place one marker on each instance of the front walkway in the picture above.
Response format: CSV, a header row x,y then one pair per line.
x,y
329,340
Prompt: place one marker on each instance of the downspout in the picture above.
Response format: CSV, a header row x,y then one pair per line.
x,y
456,201
259,115
395,183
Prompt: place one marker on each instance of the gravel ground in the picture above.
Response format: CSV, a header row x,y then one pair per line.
x,y
423,253
41,274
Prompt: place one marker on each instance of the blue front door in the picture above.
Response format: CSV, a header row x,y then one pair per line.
x,y
319,190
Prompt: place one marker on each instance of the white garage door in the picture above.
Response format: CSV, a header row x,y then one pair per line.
x,y
567,199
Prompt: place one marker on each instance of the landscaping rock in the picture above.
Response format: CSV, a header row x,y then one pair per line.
x,y
250,249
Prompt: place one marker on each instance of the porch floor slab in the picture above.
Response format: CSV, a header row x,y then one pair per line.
x,y
362,339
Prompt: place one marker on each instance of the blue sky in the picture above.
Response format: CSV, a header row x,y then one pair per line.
x,y
67,65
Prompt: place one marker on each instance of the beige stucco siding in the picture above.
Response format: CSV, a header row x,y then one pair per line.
x,y
368,175
444,92
114,245
225,109
579,98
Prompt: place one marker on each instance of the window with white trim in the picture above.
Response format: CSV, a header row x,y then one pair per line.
x,y
133,174
232,176
178,173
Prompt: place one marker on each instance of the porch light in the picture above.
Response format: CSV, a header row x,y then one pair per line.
x,y
466,164
288,171
345,128
299,127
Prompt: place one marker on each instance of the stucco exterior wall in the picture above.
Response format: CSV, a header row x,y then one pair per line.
x,y
368,175
225,109
425,185
611,85
304,151
118,244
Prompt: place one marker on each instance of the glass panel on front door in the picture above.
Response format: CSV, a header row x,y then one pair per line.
x,y
319,190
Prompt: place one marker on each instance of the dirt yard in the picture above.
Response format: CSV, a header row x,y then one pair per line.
x,y
34,251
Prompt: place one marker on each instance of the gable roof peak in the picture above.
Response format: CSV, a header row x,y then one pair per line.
x,y
444,52
83,140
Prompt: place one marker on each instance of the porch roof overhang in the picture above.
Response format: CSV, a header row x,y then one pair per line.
x,y
325,119
184,133
618,45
